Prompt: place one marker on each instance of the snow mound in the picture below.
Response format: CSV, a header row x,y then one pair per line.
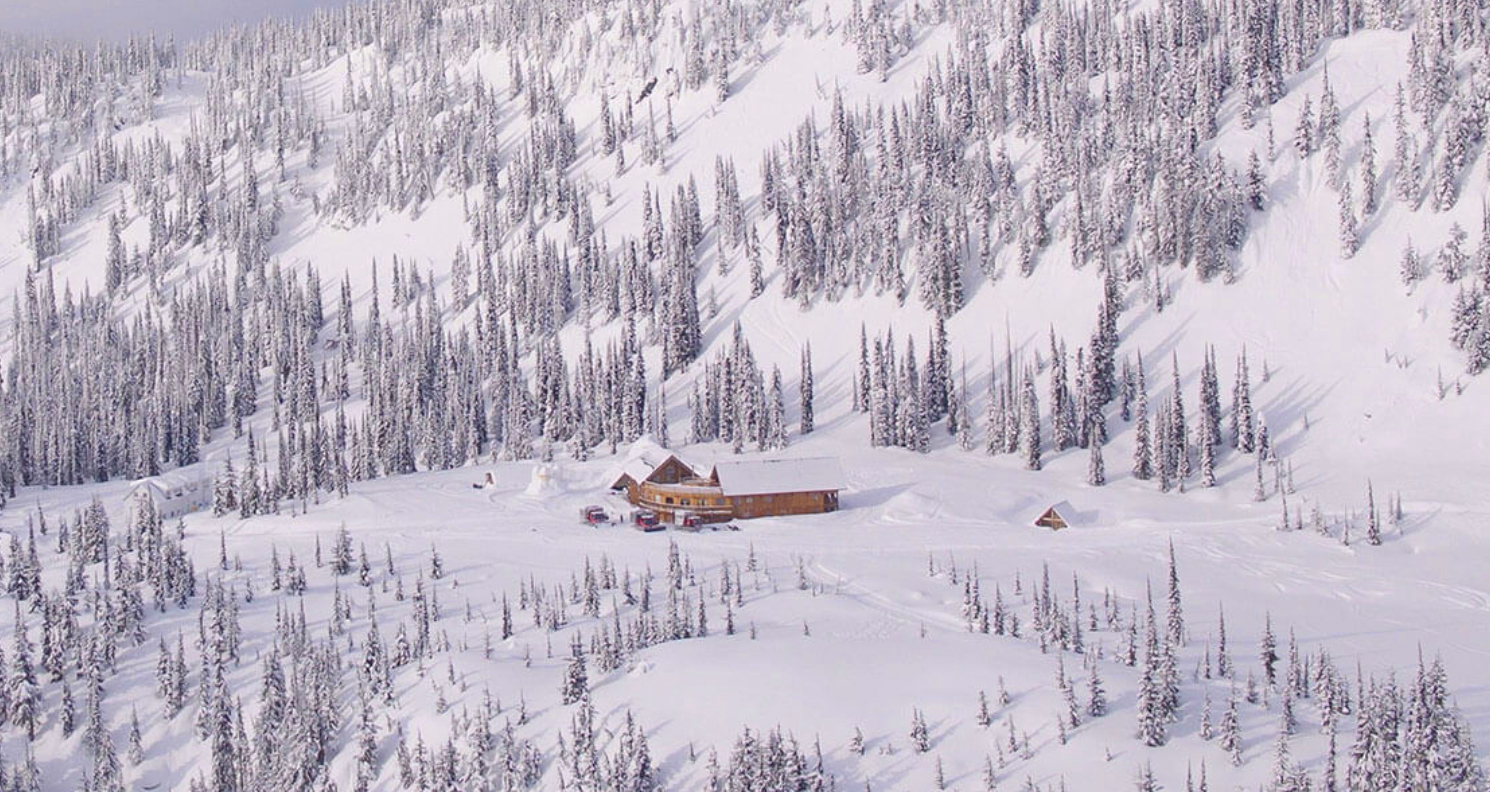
x,y
546,480
910,507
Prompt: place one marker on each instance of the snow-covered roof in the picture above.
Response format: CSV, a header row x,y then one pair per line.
x,y
1062,509
762,476
641,459
172,479
638,469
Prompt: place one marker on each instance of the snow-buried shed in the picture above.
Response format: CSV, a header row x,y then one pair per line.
x,y
1057,516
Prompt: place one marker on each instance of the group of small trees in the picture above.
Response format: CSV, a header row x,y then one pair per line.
x,y
1400,735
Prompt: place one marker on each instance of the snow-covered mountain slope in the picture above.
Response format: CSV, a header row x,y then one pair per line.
x,y
1358,354
368,256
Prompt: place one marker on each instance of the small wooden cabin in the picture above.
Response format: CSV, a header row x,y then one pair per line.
x,y
1057,516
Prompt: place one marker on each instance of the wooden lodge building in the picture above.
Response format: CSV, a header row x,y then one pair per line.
x,y
735,490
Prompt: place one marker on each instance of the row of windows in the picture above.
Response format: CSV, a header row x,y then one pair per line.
x,y
831,498
701,501
747,499
717,501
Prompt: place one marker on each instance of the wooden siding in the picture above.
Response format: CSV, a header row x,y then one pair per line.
x,y
1051,519
671,471
672,500
628,484
695,496
777,504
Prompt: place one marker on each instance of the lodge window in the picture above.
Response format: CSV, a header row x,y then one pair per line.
x,y
685,502
667,500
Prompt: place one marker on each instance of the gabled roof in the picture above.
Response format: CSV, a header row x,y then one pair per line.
x,y
635,469
765,476
689,472
1062,509
642,459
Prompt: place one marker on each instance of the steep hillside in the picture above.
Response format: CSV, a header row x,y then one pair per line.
x,y
408,139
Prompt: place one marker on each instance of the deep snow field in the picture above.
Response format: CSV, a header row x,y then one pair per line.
x,y
872,638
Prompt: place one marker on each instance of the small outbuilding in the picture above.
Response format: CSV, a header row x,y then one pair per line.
x,y
1057,516
174,494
